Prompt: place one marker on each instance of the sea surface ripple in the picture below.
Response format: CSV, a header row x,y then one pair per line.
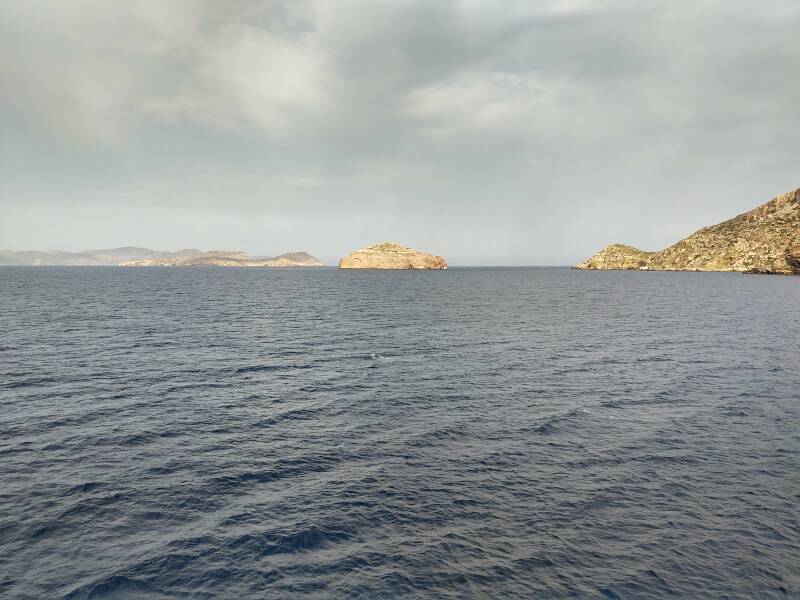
x,y
487,433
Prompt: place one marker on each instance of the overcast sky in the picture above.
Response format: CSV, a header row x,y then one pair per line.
x,y
491,132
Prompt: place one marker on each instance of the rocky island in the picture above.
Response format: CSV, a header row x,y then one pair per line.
x,y
763,240
133,256
391,255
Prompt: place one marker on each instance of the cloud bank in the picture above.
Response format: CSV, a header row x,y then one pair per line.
x,y
494,132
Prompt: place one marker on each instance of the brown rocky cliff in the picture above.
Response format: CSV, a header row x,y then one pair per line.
x,y
763,240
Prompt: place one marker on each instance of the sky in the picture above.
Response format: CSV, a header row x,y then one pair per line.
x,y
491,132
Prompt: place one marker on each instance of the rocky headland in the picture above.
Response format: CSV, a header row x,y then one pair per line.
x,y
133,256
391,255
763,240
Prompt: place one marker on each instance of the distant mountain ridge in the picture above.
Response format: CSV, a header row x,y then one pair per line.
x,y
134,256
763,240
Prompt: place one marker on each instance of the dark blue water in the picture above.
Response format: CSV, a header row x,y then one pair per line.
x,y
488,433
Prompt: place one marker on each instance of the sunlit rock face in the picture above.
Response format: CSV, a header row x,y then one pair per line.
x,y
763,240
391,255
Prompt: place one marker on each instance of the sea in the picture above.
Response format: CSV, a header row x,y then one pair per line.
x,y
470,433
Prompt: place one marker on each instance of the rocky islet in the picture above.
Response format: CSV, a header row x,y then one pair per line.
x,y
391,255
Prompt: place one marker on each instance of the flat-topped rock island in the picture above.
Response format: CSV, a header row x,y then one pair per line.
x,y
391,255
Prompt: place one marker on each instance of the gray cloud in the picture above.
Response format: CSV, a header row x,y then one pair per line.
x,y
491,132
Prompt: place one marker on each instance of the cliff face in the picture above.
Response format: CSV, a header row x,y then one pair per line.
x,y
763,240
391,255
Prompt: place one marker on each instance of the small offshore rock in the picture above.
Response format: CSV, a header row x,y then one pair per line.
x,y
391,255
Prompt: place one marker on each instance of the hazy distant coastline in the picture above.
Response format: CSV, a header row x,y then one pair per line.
x,y
133,256
765,240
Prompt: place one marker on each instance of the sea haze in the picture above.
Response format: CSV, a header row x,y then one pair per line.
x,y
494,433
